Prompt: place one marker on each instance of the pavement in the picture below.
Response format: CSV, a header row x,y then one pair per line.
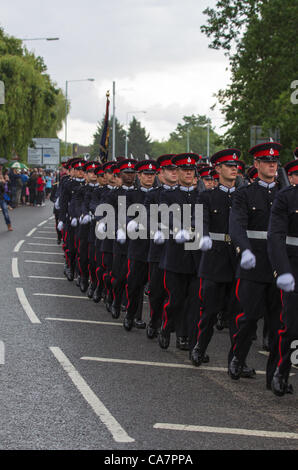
x,y
71,377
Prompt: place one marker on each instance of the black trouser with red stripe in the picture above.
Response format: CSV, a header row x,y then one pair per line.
x,y
182,306
252,296
103,271
157,294
92,262
82,248
215,297
118,281
137,277
288,332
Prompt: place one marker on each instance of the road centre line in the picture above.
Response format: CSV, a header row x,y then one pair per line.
x,y
218,430
18,246
26,306
63,296
31,232
46,238
14,268
41,262
93,322
42,244
45,253
49,277
42,223
118,433
160,364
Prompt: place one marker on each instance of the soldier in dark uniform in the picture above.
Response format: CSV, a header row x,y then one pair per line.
x,y
180,264
206,176
117,200
137,269
283,255
249,220
168,177
218,262
291,169
68,215
54,197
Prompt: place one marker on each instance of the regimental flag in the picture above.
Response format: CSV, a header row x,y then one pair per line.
x,y
104,141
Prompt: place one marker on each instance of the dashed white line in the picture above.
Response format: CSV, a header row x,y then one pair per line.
x,y
49,277
41,262
44,253
92,322
26,306
46,238
31,232
18,246
62,295
160,364
118,433
14,268
41,244
42,223
218,430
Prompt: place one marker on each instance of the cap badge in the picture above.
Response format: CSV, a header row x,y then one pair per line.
x,y
188,160
234,156
150,167
129,164
271,151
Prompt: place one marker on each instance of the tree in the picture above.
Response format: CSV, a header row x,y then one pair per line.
x,y
119,139
139,142
33,104
263,67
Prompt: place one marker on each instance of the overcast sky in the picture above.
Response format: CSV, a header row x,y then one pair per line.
x,y
152,49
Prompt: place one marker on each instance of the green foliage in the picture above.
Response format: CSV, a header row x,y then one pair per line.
x,y
139,142
263,67
34,107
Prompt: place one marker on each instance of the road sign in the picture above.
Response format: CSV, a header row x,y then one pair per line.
x,y
2,93
45,152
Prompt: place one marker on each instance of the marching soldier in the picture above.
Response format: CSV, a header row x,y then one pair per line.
x,y
292,171
283,255
255,285
137,275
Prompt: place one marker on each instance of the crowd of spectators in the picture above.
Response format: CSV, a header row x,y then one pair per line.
x,y
24,188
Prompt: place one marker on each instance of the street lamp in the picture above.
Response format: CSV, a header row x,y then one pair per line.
x,y
207,126
66,89
126,129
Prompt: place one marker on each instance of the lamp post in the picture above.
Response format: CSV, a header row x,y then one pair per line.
x,y
66,91
126,129
207,126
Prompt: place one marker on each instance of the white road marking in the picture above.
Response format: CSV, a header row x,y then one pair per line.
x,y
118,433
41,244
265,353
31,232
46,238
44,253
160,364
14,268
26,306
41,262
235,431
62,295
42,223
49,277
18,246
85,321
46,231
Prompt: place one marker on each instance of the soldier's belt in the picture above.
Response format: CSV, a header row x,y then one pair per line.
x,y
220,237
258,235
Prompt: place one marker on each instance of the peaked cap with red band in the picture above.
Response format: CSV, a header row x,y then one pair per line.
x,y
108,166
205,172
252,172
147,166
186,160
268,151
241,166
99,170
214,174
91,166
165,161
226,156
127,165
115,169
79,165
291,167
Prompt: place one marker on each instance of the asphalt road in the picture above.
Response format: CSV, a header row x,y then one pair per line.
x,y
72,378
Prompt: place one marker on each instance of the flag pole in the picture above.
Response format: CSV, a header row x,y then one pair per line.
x,y
114,124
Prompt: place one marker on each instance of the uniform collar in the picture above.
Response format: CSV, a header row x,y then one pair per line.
x,y
226,189
93,185
146,190
167,186
127,188
110,187
80,180
187,189
266,185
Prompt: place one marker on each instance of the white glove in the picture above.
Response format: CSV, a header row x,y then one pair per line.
x,y
205,243
159,238
86,219
132,226
248,260
74,222
182,236
101,227
60,226
121,236
56,205
286,282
